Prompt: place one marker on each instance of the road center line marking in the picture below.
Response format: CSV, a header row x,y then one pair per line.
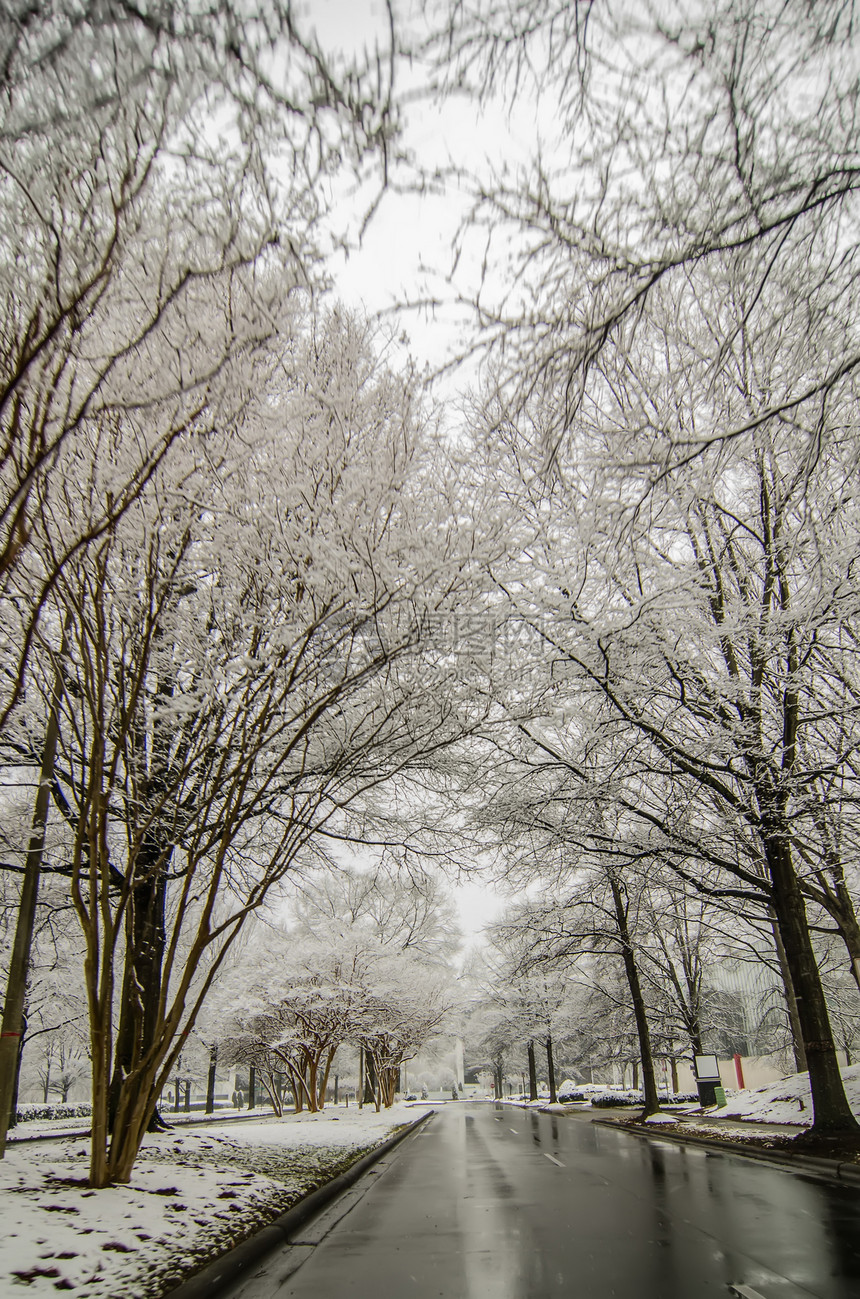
x,y
745,1292
553,1159
515,1131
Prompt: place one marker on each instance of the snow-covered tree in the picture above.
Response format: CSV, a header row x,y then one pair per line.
x,y
152,163
246,665
397,902
293,1004
404,1004
295,997
160,194
523,1003
667,137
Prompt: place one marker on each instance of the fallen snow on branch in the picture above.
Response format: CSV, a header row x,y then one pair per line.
x,y
192,1195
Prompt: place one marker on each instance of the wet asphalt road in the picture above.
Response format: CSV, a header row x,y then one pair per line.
x,y
499,1203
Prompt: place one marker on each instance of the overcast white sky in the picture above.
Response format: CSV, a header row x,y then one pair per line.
x,y
479,905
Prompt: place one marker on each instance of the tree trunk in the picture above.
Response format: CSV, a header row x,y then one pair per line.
x,y
252,1087
210,1079
850,931
533,1090
832,1116
100,1050
275,1086
834,893
550,1064
127,1137
13,1117
790,998
386,1082
139,1025
142,976
369,1079
323,1084
11,1032
649,1081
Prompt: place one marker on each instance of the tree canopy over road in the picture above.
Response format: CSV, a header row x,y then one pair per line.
x,y
593,629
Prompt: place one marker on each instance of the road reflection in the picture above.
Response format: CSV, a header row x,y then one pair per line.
x,y
495,1261
474,1209
674,1216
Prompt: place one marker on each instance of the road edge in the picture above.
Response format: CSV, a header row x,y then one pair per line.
x,y
834,1170
227,1267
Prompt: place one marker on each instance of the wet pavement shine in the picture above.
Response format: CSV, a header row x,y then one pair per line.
x,y
491,1202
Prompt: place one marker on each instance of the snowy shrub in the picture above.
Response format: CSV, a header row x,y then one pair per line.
x,y
69,1110
608,1100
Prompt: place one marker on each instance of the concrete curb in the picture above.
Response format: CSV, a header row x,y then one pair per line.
x,y
214,1276
833,1169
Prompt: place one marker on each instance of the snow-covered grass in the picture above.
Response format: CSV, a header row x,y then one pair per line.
x,y
524,1104
786,1101
753,1135
61,1125
48,1128
192,1195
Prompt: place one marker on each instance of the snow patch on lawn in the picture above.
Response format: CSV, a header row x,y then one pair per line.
x,y
26,1128
786,1101
191,1195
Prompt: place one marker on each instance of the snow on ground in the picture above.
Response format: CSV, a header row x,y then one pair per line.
x,y
47,1128
787,1101
28,1128
192,1195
